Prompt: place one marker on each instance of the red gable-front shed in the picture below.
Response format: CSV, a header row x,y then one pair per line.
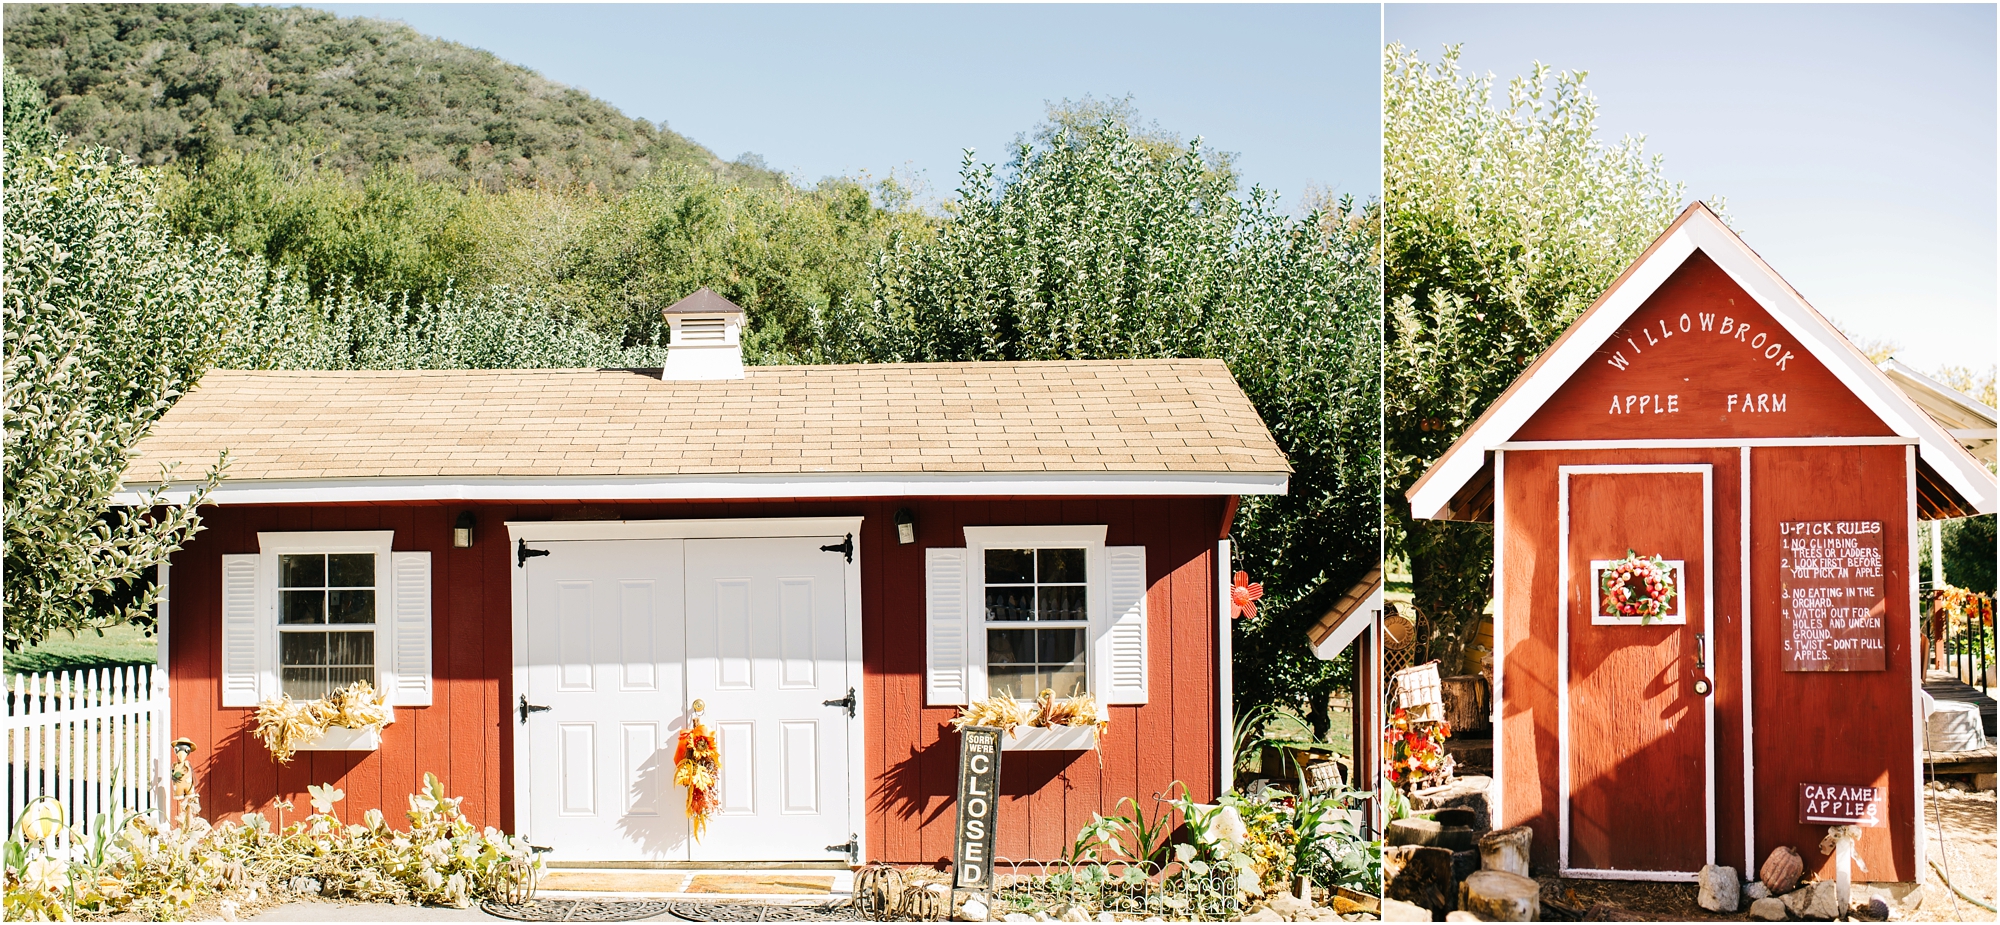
x,y
734,540
1701,412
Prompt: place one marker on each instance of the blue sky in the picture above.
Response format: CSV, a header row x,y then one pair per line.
x,y
823,90
1854,144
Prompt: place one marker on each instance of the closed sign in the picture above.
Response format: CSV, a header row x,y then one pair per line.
x,y
978,780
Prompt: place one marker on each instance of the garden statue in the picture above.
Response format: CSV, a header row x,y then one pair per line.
x,y
183,781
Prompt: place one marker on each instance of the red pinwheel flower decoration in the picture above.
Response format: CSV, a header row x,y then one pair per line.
x,y
1243,596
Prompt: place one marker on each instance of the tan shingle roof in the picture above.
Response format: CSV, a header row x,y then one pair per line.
x,y
1111,416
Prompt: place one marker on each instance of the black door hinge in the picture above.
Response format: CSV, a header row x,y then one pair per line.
x,y
844,547
522,553
852,849
846,703
527,708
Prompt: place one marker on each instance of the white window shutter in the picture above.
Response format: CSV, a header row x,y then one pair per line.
x,y
1120,636
410,630
947,629
245,656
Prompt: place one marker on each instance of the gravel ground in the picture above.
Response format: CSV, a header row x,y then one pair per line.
x,y
1967,851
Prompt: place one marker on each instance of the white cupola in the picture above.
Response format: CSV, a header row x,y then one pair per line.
x,y
706,342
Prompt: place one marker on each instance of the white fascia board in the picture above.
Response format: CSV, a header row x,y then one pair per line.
x,y
721,488
1703,231
1875,389
1364,616
543,531
1965,410
1464,463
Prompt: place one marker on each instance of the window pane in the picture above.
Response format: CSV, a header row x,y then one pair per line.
x,y
1069,680
301,649
1060,564
351,570
1010,566
1060,646
350,606
1010,603
337,678
1063,603
302,607
305,683
350,648
1010,647
1020,682
302,571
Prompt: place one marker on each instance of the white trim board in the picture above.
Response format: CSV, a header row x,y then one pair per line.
x,y
720,487
1749,739
1225,673
1699,229
1562,661
1496,798
586,530
1702,443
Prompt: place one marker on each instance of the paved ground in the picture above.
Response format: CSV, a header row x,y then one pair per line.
x,y
370,912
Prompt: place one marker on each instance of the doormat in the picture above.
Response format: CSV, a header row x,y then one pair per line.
x,y
758,883
842,911
577,910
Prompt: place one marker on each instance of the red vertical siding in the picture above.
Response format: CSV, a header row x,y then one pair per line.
x,y
466,737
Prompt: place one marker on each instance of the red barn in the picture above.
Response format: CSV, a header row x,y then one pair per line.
x,y
1701,416
544,569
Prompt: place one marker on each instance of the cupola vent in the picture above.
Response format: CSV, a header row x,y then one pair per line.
x,y
706,332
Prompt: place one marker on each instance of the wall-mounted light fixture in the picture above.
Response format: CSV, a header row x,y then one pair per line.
x,y
461,533
906,526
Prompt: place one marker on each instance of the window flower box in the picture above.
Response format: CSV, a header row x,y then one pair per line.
x,y
343,739
1049,739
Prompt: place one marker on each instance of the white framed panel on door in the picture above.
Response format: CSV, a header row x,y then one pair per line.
x,y
828,530
1563,662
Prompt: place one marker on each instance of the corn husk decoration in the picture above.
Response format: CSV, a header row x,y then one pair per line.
x,y
1078,709
999,710
284,724
698,767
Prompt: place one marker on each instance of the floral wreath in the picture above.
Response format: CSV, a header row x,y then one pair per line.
x,y
1636,587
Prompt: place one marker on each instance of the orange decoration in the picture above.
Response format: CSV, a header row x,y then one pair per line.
x,y
698,767
1243,596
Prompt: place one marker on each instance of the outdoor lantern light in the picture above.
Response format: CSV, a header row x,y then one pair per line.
x,y
461,533
906,526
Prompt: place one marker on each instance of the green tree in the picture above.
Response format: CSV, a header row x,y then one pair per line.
x,y
1968,553
1099,243
1505,219
108,318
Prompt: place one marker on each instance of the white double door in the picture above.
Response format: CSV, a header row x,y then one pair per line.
x,y
623,635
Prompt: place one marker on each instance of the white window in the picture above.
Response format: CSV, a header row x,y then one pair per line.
x,y
1020,610
310,613
326,622
1037,621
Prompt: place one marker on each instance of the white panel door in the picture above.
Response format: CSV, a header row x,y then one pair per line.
x,y
766,648
605,656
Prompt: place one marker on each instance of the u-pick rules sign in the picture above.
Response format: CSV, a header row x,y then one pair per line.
x,y
1834,607
978,781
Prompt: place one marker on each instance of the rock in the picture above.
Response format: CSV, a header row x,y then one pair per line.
x,y
1106,917
1781,870
1720,890
1903,898
1396,910
1874,907
1507,850
1820,900
1768,909
1464,863
974,910
1984,782
1468,792
1420,874
1288,907
1017,917
1413,831
1954,726
1756,890
1069,913
1262,914
1460,915
1497,896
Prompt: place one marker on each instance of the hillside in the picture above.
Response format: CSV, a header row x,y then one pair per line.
x,y
165,82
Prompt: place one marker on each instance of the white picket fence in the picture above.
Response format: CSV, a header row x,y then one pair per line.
x,y
95,740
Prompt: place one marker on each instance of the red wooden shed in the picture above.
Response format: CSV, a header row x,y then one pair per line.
x,y
834,558
1701,414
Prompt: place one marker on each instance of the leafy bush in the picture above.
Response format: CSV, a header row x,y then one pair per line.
x,y
136,866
